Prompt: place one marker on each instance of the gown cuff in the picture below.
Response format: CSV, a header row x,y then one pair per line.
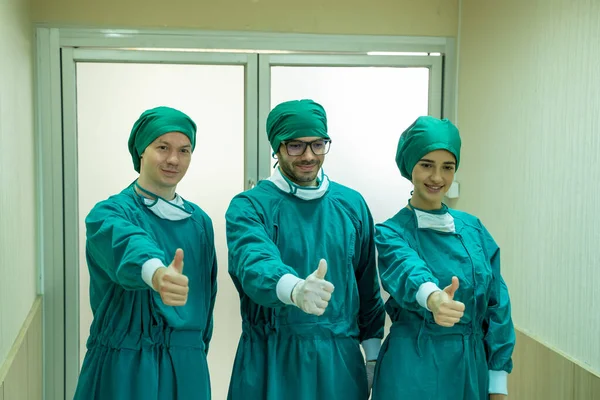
x,y
424,291
284,288
498,382
149,268
371,348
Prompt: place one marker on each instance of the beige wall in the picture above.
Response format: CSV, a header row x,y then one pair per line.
x,y
17,172
388,17
21,373
541,373
529,112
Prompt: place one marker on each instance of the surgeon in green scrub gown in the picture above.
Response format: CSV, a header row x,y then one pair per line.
x,y
454,343
302,257
152,316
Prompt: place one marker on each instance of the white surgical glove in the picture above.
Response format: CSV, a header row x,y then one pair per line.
x,y
370,373
446,311
312,294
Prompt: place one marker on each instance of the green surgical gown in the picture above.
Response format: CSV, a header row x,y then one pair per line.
x,y
283,352
423,360
140,348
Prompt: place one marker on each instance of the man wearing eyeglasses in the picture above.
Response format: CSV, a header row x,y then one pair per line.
x,y
302,257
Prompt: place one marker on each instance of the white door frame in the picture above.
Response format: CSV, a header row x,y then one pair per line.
x,y
59,48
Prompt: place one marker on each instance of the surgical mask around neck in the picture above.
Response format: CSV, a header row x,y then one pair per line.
x,y
170,210
302,192
441,222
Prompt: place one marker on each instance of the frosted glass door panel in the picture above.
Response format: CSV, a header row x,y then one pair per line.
x,y
367,110
110,97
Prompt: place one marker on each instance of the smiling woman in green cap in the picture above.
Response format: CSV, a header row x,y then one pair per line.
x,y
302,257
152,321
454,343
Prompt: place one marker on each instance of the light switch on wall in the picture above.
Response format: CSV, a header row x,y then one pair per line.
x,y
453,192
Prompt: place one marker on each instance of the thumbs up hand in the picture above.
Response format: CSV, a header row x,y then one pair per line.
x,y
171,283
446,311
313,294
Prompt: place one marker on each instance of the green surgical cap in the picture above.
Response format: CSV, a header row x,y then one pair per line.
x,y
425,135
154,123
296,119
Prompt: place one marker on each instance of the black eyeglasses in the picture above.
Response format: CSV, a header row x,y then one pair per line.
x,y
298,147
